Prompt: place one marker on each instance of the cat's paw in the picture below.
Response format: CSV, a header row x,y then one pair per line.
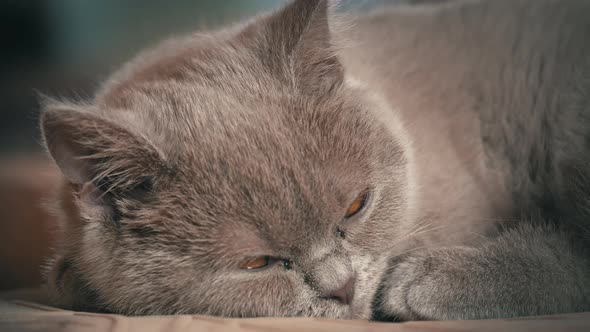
x,y
428,285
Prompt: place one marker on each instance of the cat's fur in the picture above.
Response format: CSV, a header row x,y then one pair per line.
x,y
467,122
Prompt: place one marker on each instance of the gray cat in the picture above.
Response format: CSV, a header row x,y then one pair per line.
x,y
426,162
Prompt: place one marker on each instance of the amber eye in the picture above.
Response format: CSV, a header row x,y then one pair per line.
x,y
256,263
357,205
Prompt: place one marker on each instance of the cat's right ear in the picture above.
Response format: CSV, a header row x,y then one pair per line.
x,y
296,43
91,149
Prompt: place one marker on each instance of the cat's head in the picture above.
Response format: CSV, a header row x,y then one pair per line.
x,y
238,174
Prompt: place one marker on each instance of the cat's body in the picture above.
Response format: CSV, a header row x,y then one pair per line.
x,y
492,96
495,98
464,123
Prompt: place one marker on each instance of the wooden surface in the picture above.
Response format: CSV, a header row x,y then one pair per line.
x,y
24,315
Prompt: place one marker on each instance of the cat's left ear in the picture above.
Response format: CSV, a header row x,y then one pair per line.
x,y
297,44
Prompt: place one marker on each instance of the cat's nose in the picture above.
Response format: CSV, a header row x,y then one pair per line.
x,y
345,293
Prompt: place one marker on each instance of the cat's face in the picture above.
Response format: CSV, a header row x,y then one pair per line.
x,y
240,177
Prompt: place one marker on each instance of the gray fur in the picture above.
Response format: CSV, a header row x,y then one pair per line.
x,y
465,120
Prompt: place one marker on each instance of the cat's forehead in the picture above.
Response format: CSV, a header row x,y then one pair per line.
x,y
216,98
258,150
221,63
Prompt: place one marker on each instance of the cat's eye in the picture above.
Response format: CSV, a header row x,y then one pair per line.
x,y
262,262
256,262
357,205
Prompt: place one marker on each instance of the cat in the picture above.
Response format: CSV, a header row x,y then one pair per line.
x,y
420,162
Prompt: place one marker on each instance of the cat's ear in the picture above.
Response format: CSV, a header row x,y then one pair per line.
x,y
297,43
91,149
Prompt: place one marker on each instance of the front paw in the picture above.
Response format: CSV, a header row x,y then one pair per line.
x,y
429,285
